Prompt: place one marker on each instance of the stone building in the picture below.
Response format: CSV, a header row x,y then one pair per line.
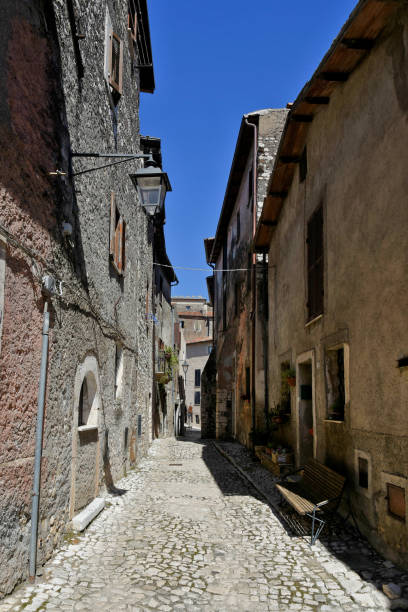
x,y
239,281
334,227
165,348
71,77
196,322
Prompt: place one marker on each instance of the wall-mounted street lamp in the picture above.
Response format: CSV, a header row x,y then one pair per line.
x,y
152,185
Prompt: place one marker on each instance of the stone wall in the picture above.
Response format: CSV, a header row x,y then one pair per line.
x,y
47,110
234,341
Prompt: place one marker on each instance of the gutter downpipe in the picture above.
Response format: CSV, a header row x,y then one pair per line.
x,y
38,445
253,283
265,338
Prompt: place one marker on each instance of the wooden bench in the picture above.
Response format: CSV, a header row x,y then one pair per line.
x,y
317,494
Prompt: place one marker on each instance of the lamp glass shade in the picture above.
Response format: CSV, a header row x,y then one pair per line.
x,y
152,185
184,365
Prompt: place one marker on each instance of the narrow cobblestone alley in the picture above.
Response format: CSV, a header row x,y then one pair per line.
x,y
191,534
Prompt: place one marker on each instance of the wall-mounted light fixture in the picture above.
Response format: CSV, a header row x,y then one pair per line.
x,y
152,184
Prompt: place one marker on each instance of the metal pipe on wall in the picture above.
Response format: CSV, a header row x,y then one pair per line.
x,y
38,444
253,282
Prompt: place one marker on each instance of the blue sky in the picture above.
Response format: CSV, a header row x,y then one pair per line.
x,y
214,62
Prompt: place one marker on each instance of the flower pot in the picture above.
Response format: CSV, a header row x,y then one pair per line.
x,y
291,381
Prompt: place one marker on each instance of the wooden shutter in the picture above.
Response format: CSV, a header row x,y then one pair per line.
x,y
112,225
115,62
122,244
315,264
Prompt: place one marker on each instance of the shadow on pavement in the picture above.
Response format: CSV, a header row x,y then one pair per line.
x,y
342,540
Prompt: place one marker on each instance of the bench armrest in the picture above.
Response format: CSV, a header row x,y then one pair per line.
x,y
326,501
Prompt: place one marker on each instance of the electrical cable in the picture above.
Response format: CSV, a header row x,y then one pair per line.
x,y
200,269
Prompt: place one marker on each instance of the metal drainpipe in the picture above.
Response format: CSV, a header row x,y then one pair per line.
x,y
265,338
38,445
253,282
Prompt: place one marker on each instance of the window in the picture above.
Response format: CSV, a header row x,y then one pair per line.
x,y
117,238
84,407
315,264
197,398
115,63
209,349
303,166
182,324
335,384
197,419
396,501
285,398
139,425
238,226
188,307
363,472
118,370
197,378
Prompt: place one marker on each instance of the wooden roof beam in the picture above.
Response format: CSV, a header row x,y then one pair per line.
x,y
269,223
278,194
334,76
289,159
363,44
317,99
298,118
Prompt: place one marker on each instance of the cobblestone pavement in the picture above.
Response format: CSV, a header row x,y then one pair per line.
x,y
192,534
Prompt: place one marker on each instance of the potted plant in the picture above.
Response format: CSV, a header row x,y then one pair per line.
x,y
269,448
290,376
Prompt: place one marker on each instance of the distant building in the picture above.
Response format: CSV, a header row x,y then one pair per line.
x,y
196,322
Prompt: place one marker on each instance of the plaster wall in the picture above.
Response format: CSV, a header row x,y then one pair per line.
x,y
197,356
356,171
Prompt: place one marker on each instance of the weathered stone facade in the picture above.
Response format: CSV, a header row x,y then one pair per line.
x,y
348,408
56,101
240,331
195,317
